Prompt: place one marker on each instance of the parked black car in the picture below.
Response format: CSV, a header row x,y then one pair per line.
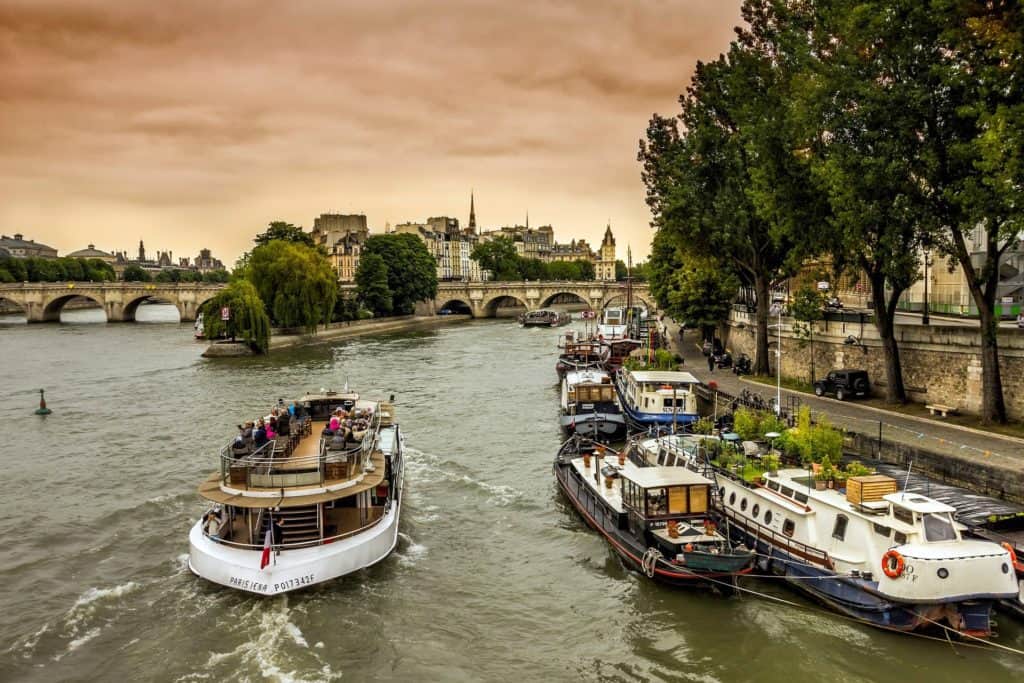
x,y
844,384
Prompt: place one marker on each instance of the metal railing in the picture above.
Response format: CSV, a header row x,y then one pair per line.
x,y
298,544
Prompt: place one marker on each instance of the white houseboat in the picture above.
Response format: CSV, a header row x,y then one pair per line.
x,y
309,506
652,398
590,407
891,559
613,324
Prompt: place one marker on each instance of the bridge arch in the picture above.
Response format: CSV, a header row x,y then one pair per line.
x,y
490,306
131,308
456,305
619,299
52,309
567,296
12,311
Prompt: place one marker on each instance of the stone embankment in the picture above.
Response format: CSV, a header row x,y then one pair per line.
x,y
281,339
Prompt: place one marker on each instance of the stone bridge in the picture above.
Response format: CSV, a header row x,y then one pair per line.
x,y
484,298
43,301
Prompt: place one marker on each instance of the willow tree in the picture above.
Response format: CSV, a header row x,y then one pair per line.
x,y
728,175
246,316
296,282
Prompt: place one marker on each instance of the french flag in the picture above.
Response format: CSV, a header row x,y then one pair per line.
x,y
267,543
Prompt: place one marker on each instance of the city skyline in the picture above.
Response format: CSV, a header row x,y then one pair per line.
x,y
190,126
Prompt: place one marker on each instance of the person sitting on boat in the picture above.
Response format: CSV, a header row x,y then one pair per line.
x,y
239,448
259,435
213,526
335,421
272,428
247,433
337,442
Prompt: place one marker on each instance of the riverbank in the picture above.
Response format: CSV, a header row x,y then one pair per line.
x,y
336,331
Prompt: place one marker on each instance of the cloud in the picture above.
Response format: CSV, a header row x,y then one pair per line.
x,y
194,123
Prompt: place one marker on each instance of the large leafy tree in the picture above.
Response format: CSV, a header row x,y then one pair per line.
x,y
135,273
247,316
372,284
296,283
500,257
412,271
726,176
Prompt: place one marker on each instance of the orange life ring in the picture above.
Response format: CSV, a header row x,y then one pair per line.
x,y
1018,566
893,564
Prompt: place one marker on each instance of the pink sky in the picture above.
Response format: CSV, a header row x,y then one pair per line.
x,y
194,123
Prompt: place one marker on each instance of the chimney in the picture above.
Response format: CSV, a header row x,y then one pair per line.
x,y
17,235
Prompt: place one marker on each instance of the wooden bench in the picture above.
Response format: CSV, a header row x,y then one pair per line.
x,y
939,409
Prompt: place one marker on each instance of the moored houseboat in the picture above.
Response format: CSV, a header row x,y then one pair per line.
x,y
659,520
581,355
889,558
590,407
310,505
652,398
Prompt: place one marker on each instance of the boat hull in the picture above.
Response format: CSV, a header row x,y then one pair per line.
x,y
630,551
289,570
856,597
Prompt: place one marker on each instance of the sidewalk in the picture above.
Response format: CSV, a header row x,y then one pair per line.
x,y
993,450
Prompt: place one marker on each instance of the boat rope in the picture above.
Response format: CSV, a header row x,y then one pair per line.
x,y
649,561
998,646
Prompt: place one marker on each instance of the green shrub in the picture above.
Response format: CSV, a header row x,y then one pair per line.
x,y
746,423
704,425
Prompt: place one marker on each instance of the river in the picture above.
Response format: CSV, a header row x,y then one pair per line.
x,y
495,577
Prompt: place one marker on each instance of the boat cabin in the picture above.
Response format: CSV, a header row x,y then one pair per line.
x,y
661,392
586,389
671,504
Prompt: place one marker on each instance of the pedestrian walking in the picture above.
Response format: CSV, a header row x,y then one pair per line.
x,y
711,363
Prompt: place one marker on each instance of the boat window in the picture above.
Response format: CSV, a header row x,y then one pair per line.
x,y
839,530
802,497
656,502
902,514
677,500
767,516
937,527
881,529
661,457
743,505
788,527
698,499
786,491
732,498
899,538
773,485
756,510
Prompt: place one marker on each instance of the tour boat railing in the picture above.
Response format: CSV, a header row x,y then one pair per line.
x,y
298,544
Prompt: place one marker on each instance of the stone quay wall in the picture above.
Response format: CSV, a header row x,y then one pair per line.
x,y
941,364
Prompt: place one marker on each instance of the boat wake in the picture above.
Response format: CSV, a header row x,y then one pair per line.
x,y
409,552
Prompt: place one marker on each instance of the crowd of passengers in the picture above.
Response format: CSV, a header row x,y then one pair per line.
x,y
282,421
346,427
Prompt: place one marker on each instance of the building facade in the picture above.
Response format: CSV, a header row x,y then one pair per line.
x,y
450,246
343,236
604,267
19,247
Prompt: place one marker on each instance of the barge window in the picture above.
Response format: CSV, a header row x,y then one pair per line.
x,y
656,502
698,499
786,491
743,505
839,530
788,527
773,485
938,528
881,529
899,538
755,511
767,516
677,502
902,514
732,498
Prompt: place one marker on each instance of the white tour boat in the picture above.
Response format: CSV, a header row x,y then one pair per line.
x,y
889,558
613,324
310,505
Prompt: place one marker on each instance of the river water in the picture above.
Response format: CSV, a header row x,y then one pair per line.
x,y
495,577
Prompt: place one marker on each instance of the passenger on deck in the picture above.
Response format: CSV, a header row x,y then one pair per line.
x,y
284,421
335,422
272,428
239,448
259,435
212,526
247,433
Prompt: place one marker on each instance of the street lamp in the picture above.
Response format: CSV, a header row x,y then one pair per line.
x,y
778,366
927,262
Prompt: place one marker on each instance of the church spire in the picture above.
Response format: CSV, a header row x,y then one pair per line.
x,y
472,213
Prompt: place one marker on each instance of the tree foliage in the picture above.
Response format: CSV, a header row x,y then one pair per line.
x,y
411,270
499,257
807,309
36,269
285,232
296,282
248,316
372,284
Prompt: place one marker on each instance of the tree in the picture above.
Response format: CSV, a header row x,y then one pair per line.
x,y
726,177
168,275
286,232
247,316
14,267
97,270
346,306
499,256
532,269
216,276
412,271
621,271
807,309
296,283
700,292
372,284
134,273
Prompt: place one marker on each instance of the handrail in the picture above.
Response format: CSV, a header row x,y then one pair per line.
x,y
300,544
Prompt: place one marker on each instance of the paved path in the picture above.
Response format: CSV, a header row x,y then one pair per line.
x,y
995,449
